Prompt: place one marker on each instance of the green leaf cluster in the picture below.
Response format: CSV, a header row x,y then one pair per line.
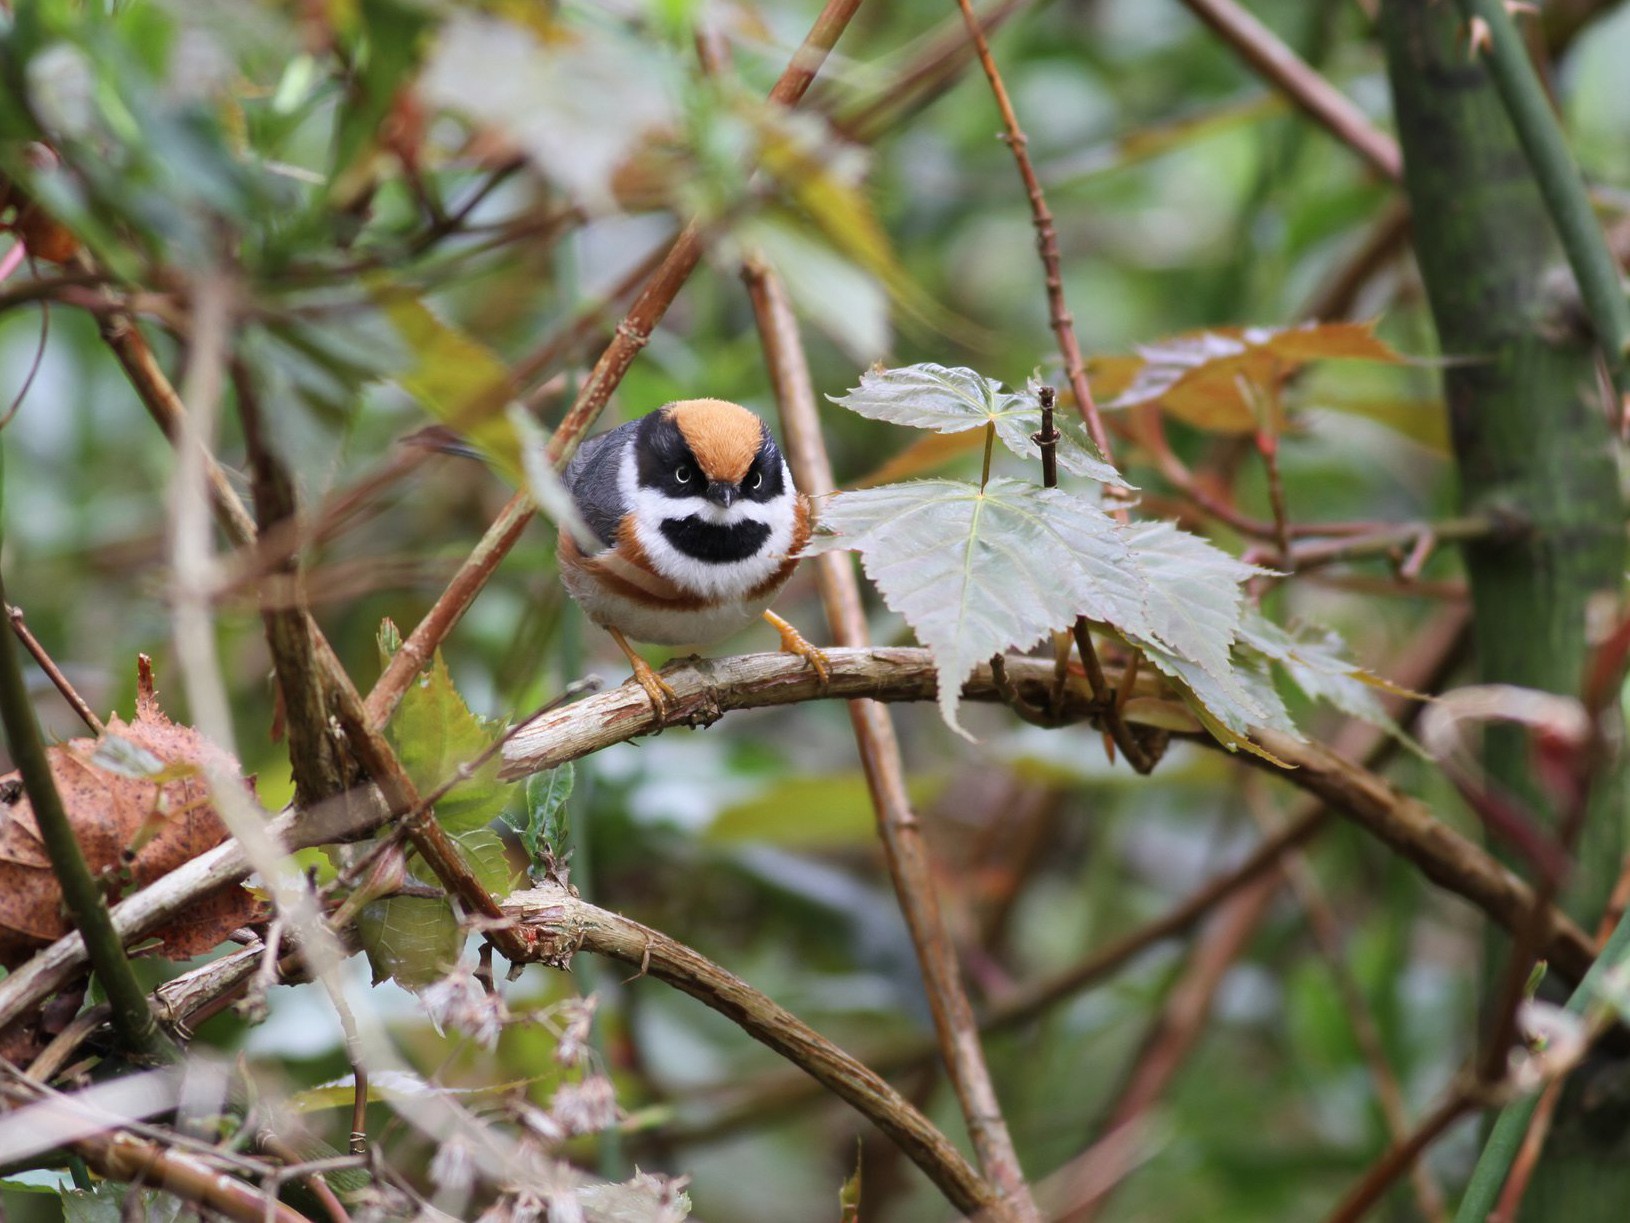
x,y
414,940
978,569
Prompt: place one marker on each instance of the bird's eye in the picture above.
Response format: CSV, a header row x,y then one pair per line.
x,y
758,480
682,474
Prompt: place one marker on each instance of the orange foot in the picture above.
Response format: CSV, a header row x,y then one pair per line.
x,y
656,688
792,642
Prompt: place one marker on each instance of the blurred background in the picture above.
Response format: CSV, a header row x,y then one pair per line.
x,y
1187,196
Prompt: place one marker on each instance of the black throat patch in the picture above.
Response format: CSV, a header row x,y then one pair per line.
x,y
712,543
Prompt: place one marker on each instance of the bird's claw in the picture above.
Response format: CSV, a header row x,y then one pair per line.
x,y
661,694
793,642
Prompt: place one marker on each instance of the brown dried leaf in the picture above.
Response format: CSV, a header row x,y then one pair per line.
x,y
1216,379
139,806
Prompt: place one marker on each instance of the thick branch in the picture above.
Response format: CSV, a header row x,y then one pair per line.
x,y
708,688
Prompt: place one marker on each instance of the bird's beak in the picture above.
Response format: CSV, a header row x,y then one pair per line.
x,y
723,493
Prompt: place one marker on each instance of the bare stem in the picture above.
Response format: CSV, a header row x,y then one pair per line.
x,y
1063,323
52,671
1401,1157
904,848
1286,71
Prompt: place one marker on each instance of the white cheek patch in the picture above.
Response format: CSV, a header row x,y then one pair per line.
x,y
729,580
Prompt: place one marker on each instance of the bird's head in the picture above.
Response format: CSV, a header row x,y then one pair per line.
x,y
710,491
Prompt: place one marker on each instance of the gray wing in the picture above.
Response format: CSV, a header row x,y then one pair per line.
x,y
592,478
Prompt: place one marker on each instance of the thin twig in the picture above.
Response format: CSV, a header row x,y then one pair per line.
x,y
934,67
1182,1020
904,849
1389,540
52,671
1402,1156
1282,68
1059,316
1114,716
317,761
1032,1000
313,1180
561,924
1267,445
1337,297
1526,1160
1327,936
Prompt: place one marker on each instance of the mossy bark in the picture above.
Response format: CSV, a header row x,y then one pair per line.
x,y
1534,448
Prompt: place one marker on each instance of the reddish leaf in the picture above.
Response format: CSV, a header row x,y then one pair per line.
x,y
139,805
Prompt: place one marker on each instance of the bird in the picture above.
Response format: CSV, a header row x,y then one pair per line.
x,y
699,526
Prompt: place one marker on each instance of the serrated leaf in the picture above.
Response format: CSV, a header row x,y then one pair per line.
x,y
977,571
954,400
1195,603
543,823
412,940
1226,705
1194,594
436,734
1315,660
1215,379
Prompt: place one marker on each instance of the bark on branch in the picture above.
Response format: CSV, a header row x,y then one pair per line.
x,y
709,688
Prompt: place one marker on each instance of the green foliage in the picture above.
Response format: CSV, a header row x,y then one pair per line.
x,y
976,570
438,739
415,940
544,823
412,940
411,201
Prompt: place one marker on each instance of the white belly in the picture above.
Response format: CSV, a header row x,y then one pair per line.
x,y
663,626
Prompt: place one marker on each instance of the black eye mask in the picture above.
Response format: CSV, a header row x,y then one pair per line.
x,y
660,453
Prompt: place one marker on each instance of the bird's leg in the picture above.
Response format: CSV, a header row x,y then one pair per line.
x,y
655,687
792,642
